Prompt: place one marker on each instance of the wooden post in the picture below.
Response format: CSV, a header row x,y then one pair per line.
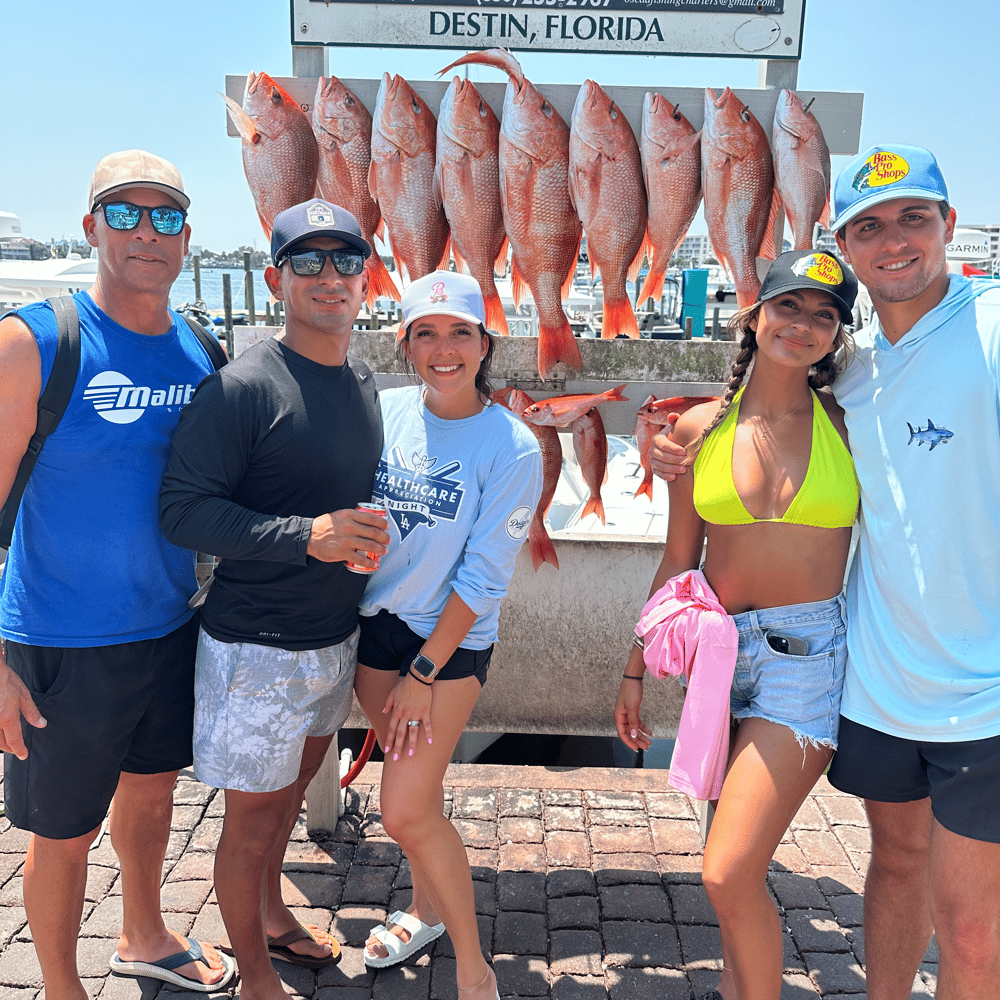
x,y
197,277
227,305
688,327
715,323
267,314
248,273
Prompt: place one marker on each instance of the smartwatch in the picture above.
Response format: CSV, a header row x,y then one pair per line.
x,y
424,668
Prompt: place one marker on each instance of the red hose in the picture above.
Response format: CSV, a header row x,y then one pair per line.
x,y
358,765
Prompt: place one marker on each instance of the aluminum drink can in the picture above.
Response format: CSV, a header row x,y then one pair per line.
x,y
383,512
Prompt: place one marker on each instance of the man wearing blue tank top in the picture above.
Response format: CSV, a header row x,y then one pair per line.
x,y
96,681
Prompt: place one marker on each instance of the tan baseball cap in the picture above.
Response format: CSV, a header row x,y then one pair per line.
x,y
136,168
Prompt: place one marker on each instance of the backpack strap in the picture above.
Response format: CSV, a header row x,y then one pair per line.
x,y
216,352
52,404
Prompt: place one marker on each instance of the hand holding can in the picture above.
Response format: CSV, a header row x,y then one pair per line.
x,y
381,511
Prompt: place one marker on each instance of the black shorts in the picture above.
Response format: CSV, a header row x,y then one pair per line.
x,y
127,707
388,643
961,779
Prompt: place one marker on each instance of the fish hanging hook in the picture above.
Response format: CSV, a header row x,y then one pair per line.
x,y
812,101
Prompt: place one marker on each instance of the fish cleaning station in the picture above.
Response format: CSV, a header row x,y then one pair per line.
x,y
564,630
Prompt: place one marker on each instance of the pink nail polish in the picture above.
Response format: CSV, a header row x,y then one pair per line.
x,y
395,756
409,753
429,740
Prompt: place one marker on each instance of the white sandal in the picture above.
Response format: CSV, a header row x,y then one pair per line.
x,y
421,935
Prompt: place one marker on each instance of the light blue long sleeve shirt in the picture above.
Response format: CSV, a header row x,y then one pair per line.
x,y
460,494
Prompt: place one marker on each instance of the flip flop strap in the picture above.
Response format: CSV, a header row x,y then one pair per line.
x,y
290,937
193,954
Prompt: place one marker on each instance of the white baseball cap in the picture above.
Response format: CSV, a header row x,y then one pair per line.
x,y
444,293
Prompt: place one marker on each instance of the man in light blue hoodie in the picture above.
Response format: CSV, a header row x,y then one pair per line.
x,y
920,719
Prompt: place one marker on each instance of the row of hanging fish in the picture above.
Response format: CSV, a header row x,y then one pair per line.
x,y
471,185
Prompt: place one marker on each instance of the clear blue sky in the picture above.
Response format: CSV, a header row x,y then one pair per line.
x,y
86,77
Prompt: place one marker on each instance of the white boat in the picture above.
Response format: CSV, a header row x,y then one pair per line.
x,y
25,281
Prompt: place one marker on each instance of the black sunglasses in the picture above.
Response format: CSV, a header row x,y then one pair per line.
x,y
124,216
308,263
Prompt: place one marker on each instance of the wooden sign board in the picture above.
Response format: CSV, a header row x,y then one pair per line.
x,y
748,29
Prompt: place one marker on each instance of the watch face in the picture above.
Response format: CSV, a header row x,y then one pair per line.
x,y
423,666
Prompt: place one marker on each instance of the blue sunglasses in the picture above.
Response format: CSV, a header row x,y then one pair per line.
x,y
124,216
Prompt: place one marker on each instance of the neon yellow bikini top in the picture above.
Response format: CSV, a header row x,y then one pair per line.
x,y
828,497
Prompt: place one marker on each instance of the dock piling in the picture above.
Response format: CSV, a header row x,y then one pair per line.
x,y
227,304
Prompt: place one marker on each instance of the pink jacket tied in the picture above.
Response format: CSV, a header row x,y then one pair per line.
x,y
687,631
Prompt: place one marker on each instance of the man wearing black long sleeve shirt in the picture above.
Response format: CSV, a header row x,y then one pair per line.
x,y
266,470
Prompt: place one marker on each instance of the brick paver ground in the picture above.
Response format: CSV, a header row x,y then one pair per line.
x,y
587,886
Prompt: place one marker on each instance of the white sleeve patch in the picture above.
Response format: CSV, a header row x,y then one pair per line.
x,y
518,521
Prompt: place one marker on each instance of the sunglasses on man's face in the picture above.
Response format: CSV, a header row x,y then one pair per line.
x,y
124,216
308,263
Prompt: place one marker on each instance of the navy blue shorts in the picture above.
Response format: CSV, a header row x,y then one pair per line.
x,y
388,643
962,779
127,707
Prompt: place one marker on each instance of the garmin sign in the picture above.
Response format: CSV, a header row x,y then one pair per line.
x,y
968,244
752,29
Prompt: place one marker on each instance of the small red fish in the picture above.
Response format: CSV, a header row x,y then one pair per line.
x,y
539,543
561,411
644,434
590,442
657,411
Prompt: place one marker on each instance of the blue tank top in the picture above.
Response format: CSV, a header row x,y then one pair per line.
x,y
88,565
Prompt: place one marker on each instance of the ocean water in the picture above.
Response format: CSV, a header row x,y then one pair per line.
x,y
211,289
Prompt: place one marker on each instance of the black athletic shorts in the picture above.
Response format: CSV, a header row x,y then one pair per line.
x,y
388,643
961,779
126,707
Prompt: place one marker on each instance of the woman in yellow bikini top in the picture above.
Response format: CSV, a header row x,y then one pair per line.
x,y
774,492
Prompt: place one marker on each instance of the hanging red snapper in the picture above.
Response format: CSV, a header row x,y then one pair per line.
x,y
737,181
539,543
671,166
561,411
657,411
801,167
467,186
280,156
590,442
644,434
605,186
401,178
343,129
542,225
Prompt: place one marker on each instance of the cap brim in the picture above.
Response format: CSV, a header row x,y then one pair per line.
x,y
433,309
846,314
179,196
883,196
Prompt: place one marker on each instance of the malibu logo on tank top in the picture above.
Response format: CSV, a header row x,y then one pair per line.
x,y
119,400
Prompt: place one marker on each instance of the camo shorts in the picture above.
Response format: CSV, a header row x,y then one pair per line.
x,y
256,705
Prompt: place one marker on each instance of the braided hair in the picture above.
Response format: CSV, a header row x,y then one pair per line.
x,y
821,374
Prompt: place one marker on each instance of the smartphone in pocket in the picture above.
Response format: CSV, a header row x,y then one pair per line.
x,y
790,645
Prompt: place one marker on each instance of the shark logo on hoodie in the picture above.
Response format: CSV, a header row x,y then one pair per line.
x,y
930,434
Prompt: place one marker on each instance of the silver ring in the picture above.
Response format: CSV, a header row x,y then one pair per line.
x,y
413,722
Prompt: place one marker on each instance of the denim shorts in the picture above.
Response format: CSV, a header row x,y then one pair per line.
x,y
801,692
255,706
